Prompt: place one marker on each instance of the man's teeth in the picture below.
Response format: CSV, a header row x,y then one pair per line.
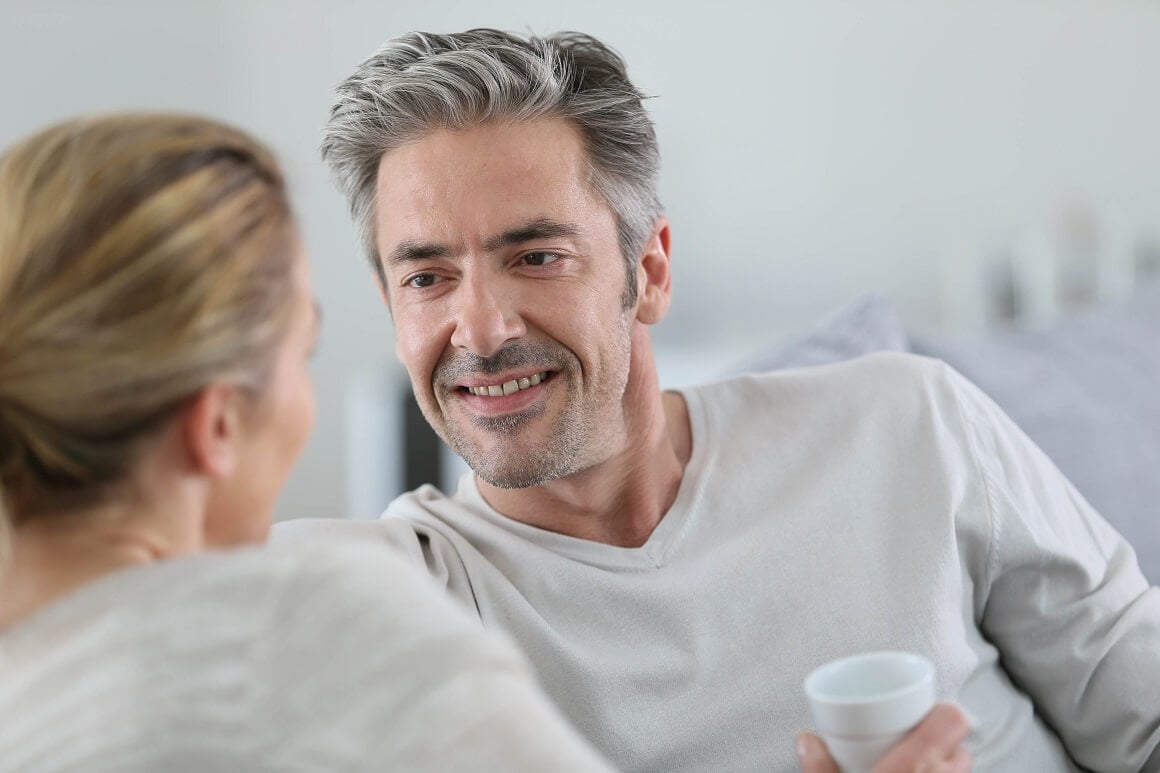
x,y
508,387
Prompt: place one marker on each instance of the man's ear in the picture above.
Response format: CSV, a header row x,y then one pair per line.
x,y
654,281
211,428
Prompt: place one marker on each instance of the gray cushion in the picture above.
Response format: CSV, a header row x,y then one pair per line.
x,y
1087,391
869,324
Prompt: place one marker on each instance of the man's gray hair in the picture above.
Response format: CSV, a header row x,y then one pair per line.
x,y
422,82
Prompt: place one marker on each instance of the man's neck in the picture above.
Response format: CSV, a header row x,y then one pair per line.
x,y
621,500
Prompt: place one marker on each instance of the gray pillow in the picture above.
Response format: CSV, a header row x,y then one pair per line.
x,y
869,324
1087,391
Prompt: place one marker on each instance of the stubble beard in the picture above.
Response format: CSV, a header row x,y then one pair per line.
x,y
575,442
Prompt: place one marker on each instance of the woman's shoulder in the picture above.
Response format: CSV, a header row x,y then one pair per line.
x,y
357,590
222,595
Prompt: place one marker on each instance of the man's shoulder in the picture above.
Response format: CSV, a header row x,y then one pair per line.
x,y
885,375
440,517
874,399
420,503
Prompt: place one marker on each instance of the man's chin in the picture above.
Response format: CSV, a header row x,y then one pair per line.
x,y
512,469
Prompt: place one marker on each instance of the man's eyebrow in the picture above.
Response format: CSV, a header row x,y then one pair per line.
x,y
542,228
407,252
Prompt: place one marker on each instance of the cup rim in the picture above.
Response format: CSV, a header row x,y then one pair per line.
x,y
813,690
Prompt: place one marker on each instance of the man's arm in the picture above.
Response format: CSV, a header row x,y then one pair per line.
x,y
1063,599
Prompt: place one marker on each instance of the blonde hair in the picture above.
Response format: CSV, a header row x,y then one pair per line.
x,y
142,257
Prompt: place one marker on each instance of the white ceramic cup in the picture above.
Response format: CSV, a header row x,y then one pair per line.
x,y
864,704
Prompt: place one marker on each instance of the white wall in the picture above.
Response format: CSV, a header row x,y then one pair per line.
x,y
812,150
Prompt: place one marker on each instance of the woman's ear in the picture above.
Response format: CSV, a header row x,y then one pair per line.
x,y
211,428
654,281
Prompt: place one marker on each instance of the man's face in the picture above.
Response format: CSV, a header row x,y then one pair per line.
x,y
505,280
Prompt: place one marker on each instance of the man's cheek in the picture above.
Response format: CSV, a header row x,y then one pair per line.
x,y
409,343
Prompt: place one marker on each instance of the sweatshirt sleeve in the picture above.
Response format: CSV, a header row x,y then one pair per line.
x,y
371,667
1075,621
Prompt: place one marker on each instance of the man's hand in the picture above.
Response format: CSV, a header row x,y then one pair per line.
x,y
935,745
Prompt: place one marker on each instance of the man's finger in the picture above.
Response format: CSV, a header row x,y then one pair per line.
x,y
812,754
958,762
932,745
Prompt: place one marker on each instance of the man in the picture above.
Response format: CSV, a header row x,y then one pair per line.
x,y
674,564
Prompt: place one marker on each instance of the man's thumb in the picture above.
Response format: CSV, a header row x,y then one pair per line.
x,y
812,755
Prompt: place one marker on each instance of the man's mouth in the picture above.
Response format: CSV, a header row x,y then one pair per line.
x,y
509,387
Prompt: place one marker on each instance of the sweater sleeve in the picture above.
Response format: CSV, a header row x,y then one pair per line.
x,y
372,667
1076,623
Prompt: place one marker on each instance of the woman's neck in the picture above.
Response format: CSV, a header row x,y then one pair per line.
x,y
47,562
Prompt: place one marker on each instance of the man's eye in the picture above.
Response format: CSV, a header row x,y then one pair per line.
x,y
540,258
421,280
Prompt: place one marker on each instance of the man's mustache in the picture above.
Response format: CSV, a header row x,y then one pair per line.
x,y
460,365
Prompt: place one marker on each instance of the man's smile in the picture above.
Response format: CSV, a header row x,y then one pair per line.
x,y
510,395
508,387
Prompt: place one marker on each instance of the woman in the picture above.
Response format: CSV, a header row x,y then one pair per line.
x,y
156,319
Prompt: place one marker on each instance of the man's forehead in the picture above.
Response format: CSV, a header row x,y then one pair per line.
x,y
452,186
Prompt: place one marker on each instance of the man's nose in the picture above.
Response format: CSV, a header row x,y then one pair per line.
x,y
486,317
